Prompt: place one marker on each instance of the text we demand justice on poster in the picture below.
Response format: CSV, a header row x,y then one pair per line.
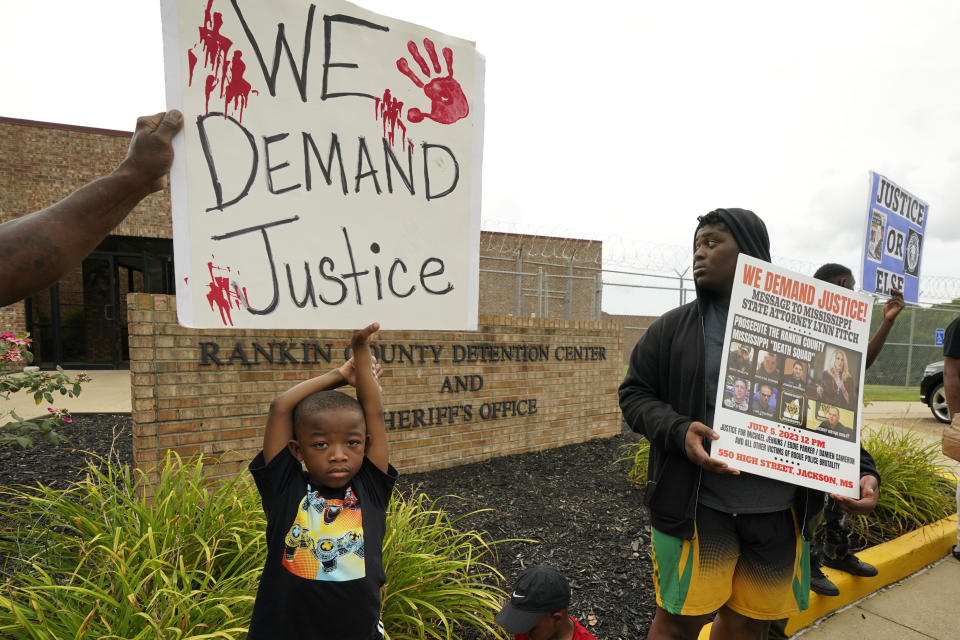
x,y
328,173
789,398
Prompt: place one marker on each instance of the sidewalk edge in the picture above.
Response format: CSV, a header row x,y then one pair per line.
x,y
894,561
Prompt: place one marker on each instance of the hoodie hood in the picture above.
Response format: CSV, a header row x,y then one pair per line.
x,y
748,230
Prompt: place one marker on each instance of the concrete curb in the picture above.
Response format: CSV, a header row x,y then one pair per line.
x,y
894,561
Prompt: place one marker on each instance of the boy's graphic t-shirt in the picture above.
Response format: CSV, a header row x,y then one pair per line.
x,y
325,540
324,569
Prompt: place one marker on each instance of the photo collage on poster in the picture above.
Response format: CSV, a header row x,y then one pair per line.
x,y
795,381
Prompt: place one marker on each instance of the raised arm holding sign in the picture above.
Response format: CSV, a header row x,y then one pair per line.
x,y
39,248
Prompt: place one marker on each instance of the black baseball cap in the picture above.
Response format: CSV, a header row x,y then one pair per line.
x,y
539,590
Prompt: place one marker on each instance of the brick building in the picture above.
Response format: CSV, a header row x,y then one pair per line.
x,y
633,329
82,322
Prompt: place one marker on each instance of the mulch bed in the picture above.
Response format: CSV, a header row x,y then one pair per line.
x,y
107,435
589,523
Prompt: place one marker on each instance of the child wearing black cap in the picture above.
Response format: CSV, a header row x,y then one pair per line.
x,y
537,609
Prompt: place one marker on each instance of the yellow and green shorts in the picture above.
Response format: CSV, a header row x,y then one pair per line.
x,y
756,564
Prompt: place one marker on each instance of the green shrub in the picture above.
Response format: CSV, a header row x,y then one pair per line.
x,y
439,582
915,490
638,455
14,430
101,560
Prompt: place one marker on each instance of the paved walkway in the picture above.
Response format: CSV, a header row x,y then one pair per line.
x,y
923,606
107,392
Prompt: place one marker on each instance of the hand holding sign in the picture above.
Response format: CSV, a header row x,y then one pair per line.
x,y
869,494
447,100
151,153
893,306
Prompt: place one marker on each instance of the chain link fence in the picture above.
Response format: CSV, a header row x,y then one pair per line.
x,y
911,344
586,276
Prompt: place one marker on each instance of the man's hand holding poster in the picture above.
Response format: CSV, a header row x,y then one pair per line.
x,y
329,168
789,399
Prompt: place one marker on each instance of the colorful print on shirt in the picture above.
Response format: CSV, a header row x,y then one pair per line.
x,y
325,541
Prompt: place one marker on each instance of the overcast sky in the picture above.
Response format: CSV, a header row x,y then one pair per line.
x,y
621,119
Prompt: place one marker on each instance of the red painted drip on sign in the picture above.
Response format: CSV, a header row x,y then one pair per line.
x,y
237,88
390,111
215,44
222,70
206,14
208,88
192,62
219,294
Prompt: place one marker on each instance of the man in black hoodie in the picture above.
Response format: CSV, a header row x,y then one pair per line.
x,y
722,541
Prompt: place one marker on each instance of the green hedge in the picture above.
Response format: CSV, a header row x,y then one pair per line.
x,y
100,560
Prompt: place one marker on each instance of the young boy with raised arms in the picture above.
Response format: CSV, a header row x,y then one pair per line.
x,y
325,523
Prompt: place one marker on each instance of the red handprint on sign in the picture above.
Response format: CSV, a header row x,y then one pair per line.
x,y
447,100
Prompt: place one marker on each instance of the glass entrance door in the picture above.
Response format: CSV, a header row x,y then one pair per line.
x,y
74,324
81,321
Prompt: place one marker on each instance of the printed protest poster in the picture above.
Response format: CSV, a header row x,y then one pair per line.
x,y
328,173
790,395
896,223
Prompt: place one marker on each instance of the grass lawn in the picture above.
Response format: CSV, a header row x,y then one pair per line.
x,y
879,392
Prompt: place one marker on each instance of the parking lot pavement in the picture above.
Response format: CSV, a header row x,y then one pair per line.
x,y
107,392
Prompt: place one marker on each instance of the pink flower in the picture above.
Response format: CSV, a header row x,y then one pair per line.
x,y
14,355
68,419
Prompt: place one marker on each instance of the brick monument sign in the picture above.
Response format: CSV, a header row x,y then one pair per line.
x,y
450,397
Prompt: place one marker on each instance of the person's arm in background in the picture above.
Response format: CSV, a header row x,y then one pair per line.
x,y
951,383
39,248
891,309
951,367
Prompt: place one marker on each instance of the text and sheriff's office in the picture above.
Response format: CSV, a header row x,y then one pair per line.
x,y
445,412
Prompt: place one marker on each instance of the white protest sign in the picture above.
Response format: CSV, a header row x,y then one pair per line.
x,y
790,393
328,173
